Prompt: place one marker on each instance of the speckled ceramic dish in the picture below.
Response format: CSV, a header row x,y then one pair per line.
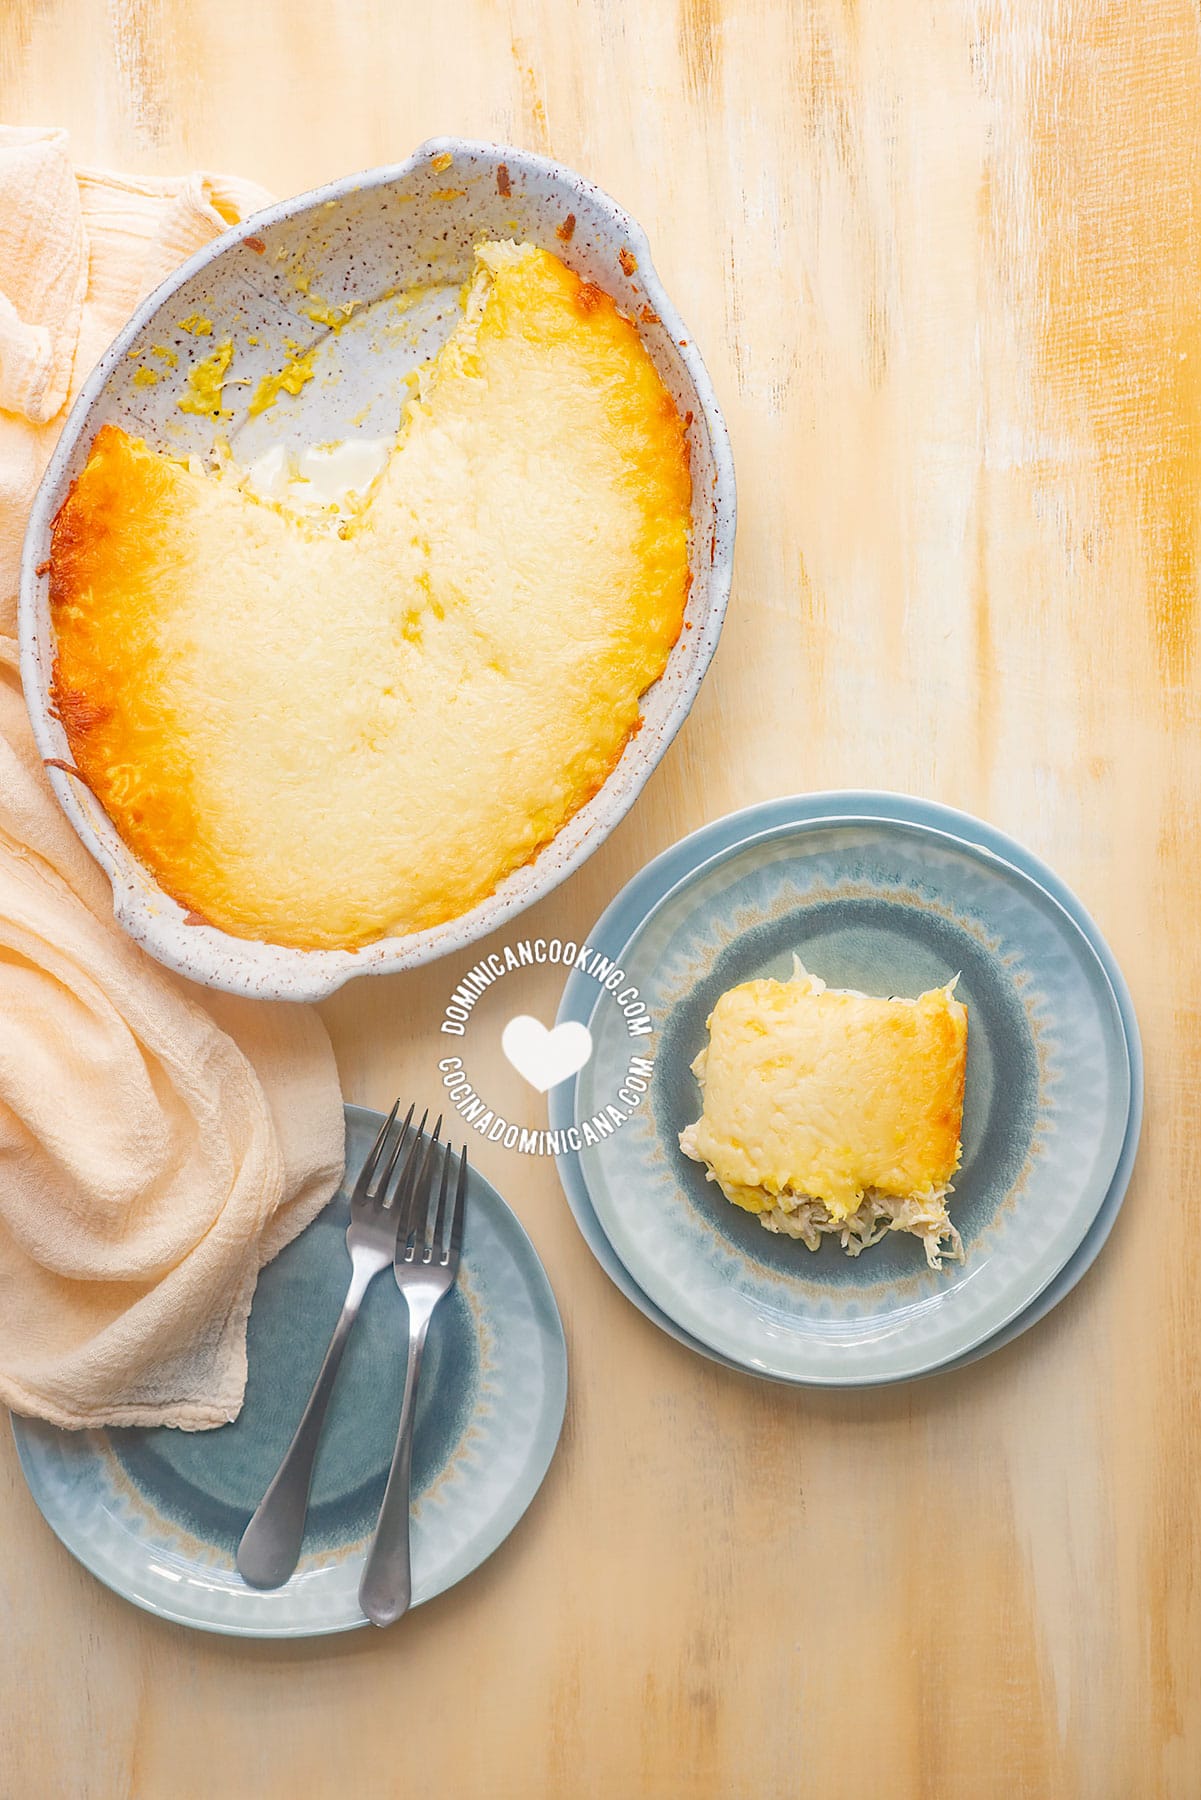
x,y
897,900
157,1514
397,242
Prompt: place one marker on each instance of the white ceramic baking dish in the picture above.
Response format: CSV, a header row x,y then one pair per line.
x,y
405,230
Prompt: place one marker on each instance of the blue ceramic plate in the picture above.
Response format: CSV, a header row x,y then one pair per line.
x,y
157,1514
1054,1097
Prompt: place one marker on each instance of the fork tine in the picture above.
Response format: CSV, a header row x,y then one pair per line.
x,y
436,1219
380,1193
404,1181
423,1226
400,1197
414,1199
371,1163
456,1218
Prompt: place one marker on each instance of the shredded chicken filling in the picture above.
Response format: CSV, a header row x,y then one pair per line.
x,y
801,1216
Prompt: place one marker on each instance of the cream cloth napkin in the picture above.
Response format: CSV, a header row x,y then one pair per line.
x,y
158,1142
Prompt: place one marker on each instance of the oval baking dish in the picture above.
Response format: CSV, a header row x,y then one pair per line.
x,y
405,231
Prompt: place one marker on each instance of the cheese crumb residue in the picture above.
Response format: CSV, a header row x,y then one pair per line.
x,y
198,325
165,354
330,312
290,379
202,393
145,378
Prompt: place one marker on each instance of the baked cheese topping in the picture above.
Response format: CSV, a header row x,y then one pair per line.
x,y
320,734
833,1102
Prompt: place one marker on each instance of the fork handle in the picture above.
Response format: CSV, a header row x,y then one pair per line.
x,y
386,1589
270,1546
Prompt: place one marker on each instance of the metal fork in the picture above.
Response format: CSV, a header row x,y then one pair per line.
x,y
428,1242
270,1545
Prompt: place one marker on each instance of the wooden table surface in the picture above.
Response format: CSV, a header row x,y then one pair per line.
x,y
943,263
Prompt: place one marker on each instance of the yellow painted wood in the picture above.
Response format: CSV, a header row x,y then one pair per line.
x,y
944,263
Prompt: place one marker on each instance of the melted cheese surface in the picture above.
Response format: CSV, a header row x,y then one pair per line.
x,y
823,1092
318,735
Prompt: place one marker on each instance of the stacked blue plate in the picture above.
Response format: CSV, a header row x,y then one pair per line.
x,y
157,1514
887,895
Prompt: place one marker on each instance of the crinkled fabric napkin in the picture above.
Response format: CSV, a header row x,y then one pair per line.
x,y
158,1142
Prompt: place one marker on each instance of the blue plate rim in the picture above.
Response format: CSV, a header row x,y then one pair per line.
x,y
509,1516
724,837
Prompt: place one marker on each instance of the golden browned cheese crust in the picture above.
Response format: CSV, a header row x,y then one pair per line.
x,y
319,739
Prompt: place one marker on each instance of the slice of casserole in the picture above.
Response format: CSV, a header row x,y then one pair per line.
x,y
318,732
829,1112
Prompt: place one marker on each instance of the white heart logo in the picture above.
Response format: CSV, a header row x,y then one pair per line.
x,y
544,1057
